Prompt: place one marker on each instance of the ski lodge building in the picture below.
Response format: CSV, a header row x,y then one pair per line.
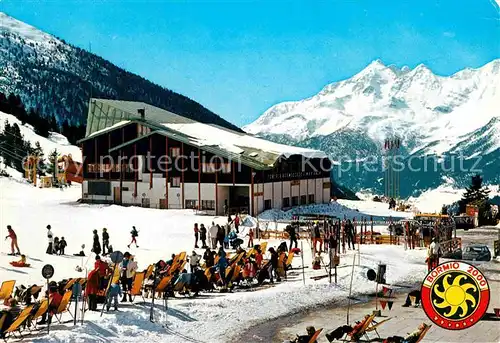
x,y
137,154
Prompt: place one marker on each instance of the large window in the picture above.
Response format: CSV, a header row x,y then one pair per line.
x,y
286,202
190,203
295,201
99,188
267,204
311,198
208,204
211,168
208,168
303,199
175,182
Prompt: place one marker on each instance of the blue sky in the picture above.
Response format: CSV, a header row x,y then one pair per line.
x,y
238,58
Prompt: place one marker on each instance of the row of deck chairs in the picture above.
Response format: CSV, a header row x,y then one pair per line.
x,y
369,325
26,320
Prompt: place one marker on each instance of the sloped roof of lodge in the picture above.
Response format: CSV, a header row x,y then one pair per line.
x,y
107,115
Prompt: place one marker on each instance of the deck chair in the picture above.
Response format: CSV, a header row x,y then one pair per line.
x,y
250,252
423,333
162,286
375,326
63,306
44,306
361,331
70,283
263,247
20,320
315,336
137,285
7,289
149,272
236,272
289,260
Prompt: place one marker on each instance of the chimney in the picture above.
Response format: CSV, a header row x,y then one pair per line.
x,y
142,113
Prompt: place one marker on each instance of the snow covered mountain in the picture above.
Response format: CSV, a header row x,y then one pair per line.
x,y
58,78
433,115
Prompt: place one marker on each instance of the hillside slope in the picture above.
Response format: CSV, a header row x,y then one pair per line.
x,y
59,78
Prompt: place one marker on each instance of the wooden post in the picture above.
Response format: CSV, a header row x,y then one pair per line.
x,y
182,175
199,180
216,187
166,172
150,163
135,170
251,192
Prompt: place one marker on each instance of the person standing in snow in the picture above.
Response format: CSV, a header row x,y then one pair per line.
x,y
13,240
209,258
194,260
221,234
250,238
92,288
196,234
212,234
105,241
293,235
237,223
433,254
349,233
113,293
62,246
50,238
134,233
96,245
127,270
203,236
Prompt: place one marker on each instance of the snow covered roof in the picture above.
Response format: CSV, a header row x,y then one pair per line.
x,y
107,115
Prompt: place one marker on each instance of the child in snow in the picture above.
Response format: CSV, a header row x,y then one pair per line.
x,y
62,246
113,293
13,240
56,245
81,253
134,233
317,262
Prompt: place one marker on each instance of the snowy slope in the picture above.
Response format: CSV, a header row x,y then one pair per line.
x,y
418,105
211,318
55,140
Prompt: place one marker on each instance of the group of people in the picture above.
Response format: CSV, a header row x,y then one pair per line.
x,y
220,235
99,278
55,246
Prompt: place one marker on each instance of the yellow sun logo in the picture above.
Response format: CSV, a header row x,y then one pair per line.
x,y
455,295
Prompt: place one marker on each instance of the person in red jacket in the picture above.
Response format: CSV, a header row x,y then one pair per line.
x,y
103,271
196,234
92,288
55,299
13,241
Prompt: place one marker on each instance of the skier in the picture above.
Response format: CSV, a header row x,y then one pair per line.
x,y
194,260
203,236
96,245
212,234
196,233
134,233
62,246
237,223
105,241
13,241
250,238
50,248
222,265
293,235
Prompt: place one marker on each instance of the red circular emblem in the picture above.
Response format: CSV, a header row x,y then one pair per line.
x,y
455,295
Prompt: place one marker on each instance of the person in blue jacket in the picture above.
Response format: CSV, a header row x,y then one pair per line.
x,y
222,265
114,292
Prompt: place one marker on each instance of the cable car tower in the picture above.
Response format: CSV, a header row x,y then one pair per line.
x,y
391,171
